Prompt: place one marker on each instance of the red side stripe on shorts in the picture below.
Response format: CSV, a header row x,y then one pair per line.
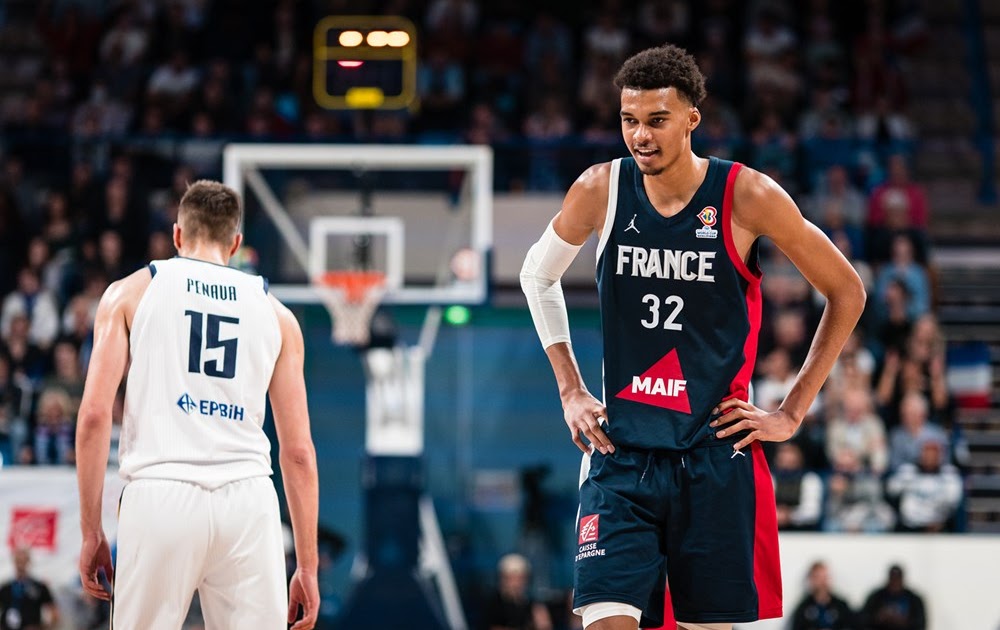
x,y
766,562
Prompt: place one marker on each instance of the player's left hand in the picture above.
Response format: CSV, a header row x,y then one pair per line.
x,y
95,556
736,415
303,591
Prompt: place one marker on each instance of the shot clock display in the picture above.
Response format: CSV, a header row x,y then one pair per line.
x,y
365,62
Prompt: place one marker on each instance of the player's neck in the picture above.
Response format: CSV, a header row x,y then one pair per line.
x,y
205,253
678,182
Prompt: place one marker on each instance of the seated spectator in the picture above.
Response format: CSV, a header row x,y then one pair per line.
x,y
904,269
836,192
897,206
854,499
893,606
36,304
893,318
511,607
27,360
441,86
54,429
907,440
929,491
24,601
798,492
68,374
858,430
820,608
778,378
854,367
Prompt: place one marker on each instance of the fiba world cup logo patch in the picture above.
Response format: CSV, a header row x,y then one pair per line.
x,y
708,216
588,528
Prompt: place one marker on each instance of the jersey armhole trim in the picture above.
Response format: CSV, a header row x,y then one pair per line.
x,y
152,270
266,283
609,217
727,227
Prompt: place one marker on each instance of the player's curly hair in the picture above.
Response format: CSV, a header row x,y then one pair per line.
x,y
662,67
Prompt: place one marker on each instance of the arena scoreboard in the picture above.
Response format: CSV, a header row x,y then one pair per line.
x,y
365,62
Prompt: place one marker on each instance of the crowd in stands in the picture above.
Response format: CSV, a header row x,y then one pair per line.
x,y
811,93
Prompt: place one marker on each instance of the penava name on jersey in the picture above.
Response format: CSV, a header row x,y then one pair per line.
x,y
224,292
666,264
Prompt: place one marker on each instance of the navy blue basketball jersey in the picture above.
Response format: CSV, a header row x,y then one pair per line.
x,y
680,311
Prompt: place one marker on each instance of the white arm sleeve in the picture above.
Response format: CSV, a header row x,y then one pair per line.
x,y
546,262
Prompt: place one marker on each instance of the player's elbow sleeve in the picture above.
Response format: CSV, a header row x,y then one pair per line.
x,y
544,265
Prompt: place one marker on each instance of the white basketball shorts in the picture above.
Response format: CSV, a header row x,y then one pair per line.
x,y
176,537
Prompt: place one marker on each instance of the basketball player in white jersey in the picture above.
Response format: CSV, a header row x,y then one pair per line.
x,y
203,344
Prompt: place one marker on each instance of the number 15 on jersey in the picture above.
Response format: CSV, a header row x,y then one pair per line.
x,y
212,327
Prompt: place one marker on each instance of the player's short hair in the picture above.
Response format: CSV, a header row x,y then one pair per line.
x,y
662,67
211,210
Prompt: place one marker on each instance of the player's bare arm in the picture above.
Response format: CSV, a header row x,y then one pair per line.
x,y
297,456
762,208
582,214
93,428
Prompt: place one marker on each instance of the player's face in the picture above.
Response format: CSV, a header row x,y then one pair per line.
x,y
656,126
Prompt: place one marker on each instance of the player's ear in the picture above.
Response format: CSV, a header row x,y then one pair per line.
x,y
694,118
237,241
177,237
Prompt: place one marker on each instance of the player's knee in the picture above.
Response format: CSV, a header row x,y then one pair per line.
x,y
609,616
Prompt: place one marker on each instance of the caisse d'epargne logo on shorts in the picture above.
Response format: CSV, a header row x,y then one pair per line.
x,y
588,528
588,537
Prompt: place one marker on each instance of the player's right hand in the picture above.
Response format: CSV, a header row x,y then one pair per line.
x,y
583,414
95,555
303,591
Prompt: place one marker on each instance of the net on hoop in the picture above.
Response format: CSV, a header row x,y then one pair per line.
x,y
351,297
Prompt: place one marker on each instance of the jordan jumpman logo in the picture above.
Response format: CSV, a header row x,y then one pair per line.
x,y
631,224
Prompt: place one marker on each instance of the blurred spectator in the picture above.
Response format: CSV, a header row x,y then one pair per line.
x,y
893,606
441,85
798,493
484,127
68,373
26,603
27,360
172,84
820,608
892,312
549,121
854,368
837,205
660,21
54,429
854,499
907,440
857,430
778,378
127,38
606,37
548,38
929,491
897,206
903,268
511,607
36,305
882,126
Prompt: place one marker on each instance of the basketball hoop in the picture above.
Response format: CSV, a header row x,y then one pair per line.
x,y
351,297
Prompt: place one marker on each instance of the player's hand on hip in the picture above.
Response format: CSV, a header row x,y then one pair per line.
x,y
583,414
303,591
95,555
737,415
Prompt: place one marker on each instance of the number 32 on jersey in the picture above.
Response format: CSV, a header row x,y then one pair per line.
x,y
653,302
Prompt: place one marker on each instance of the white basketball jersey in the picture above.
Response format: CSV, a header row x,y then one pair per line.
x,y
203,345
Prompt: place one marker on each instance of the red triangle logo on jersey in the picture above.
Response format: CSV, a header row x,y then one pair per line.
x,y
662,385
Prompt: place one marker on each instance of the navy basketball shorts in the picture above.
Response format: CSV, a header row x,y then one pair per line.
x,y
702,520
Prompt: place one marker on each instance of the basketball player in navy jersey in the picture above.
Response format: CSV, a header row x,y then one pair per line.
x,y
203,344
677,481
